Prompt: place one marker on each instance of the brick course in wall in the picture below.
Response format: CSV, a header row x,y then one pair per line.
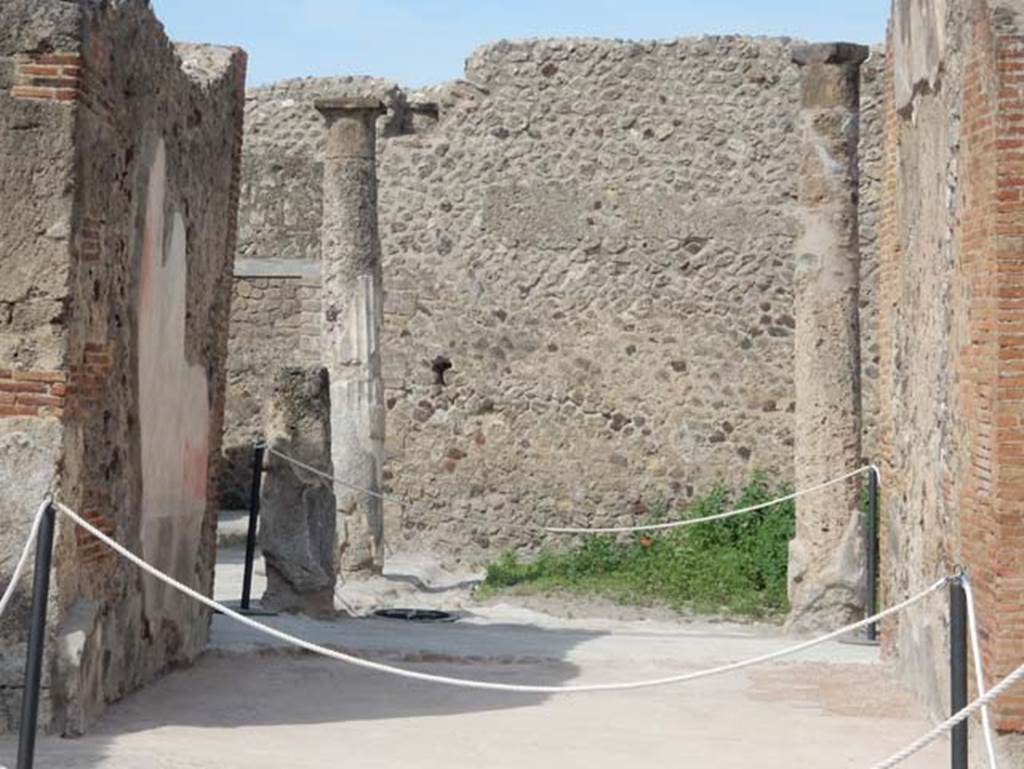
x,y
55,76
32,393
28,393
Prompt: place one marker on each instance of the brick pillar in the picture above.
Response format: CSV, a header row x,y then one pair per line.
x,y
826,559
991,358
353,319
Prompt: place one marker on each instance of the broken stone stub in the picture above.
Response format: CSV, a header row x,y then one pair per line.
x,y
826,558
297,507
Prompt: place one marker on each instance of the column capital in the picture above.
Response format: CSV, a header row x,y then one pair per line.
x,y
332,105
837,54
350,123
830,75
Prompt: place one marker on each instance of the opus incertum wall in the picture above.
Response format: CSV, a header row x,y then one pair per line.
x,y
120,154
588,279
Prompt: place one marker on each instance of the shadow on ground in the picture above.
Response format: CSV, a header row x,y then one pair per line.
x,y
268,686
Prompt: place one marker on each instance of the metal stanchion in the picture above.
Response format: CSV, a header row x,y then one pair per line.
x,y
36,641
871,535
958,669
254,514
869,637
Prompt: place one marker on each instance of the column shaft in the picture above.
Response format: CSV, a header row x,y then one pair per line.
x,y
826,563
352,325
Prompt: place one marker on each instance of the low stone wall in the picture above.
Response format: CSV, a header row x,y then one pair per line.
x,y
112,342
588,274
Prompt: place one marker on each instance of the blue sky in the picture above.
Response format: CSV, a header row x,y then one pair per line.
x,y
420,42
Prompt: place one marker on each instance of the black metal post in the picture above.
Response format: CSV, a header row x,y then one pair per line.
x,y
871,535
36,641
254,514
958,668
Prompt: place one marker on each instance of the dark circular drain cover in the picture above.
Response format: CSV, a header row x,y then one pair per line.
x,y
416,615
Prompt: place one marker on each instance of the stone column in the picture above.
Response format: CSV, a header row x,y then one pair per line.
x,y
352,322
826,559
297,507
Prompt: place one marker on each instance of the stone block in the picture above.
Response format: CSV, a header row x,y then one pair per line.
x,y
297,507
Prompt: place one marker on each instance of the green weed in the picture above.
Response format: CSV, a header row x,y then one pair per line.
x,y
734,566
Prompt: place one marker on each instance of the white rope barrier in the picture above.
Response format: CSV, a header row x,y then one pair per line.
x,y
979,672
19,568
981,703
318,472
583,530
475,684
946,726
708,518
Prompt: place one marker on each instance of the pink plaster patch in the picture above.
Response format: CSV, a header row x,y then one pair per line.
x,y
196,476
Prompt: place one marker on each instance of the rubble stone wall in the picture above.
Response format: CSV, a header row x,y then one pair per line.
x,y
129,335
37,158
275,324
596,236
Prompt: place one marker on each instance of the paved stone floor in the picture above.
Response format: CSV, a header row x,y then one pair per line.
x,y
251,704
